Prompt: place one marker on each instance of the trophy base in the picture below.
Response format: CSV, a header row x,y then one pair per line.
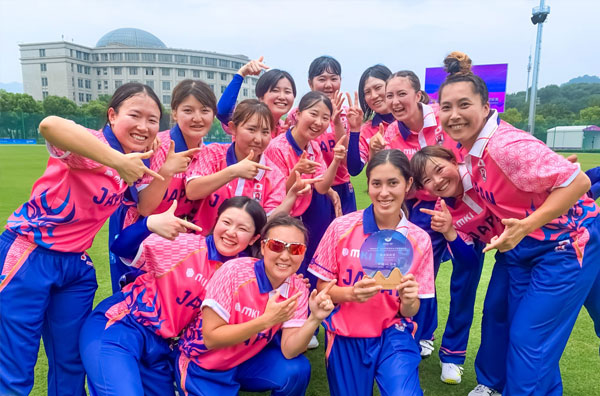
x,y
391,282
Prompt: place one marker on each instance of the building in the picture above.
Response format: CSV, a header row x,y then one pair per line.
x,y
124,55
574,137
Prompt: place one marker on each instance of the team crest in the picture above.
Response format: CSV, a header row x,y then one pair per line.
x,y
482,170
257,192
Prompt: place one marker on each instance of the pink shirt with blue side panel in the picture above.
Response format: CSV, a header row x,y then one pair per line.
x,y
338,257
238,293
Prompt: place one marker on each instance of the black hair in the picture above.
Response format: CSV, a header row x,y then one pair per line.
x,y
395,157
312,98
380,72
324,64
128,90
458,65
269,80
415,83
198,89
250,206
284,220
250,107
419,161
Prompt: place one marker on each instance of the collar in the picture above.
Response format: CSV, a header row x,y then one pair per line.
x,y
231,159
428,121
292,142
177,137
264,284
213,253
379,118
484,136
370,225
112,140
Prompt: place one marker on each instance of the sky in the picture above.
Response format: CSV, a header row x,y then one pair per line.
x,y
402,34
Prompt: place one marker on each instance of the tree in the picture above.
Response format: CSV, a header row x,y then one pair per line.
x,y
60,106
590,116
18,102
512,116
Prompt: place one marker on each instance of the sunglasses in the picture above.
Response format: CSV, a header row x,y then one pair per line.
x,y
277,246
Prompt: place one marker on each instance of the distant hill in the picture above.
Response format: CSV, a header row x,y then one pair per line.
x,y
14,87
584,79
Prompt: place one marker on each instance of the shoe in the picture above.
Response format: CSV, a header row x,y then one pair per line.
x,y
313,343
482,390
451,373
426,348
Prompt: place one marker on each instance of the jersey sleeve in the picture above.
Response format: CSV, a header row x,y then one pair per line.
x,y
207,162
158,255
221,289
276,189
75,160
529,164
228,98
277,158
301,312
355,164
324,263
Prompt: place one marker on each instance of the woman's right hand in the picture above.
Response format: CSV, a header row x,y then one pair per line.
x,y
279,312
306,166
247,168
354,114
253,68
131,167
177,162
365,289
377,142
169,226
301,186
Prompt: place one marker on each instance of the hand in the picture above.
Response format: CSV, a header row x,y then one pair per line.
x,y
340,150
169,226
247,168
572,158
279,312
132,168
320,304
301,186
377,142
336,201
514,231
253,68
441,221
177,162
355,114
155,144
408,289
306,166
364,289
337,102
305,280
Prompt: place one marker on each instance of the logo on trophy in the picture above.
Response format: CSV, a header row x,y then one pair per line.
x,y
386,256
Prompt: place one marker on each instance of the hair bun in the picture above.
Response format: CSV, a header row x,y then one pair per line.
x,y
457,62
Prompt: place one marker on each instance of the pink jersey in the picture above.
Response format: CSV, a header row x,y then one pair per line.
x,y
370,129
238,293
71,201
268,187
168,296
338,257
284,153
513,173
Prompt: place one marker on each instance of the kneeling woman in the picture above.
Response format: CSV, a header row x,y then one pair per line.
x,y
125,342
228,347
370,333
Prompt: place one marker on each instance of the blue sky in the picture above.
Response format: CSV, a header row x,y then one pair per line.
x,y
398,33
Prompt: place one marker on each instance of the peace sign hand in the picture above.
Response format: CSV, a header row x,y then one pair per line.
x,y
169,226
355,114
337,102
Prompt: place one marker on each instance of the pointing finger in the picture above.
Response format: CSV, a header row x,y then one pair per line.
x,y
152,173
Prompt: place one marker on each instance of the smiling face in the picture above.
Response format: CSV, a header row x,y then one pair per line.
x,y
441,178
374,92
279,98
401,98
234,231
136,122
327,83
462,113
387,190
313,121
194,119
279,266
253,134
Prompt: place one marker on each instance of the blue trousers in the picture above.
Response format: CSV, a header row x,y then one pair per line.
x,y
117,267
548,286
126,358
48,294
391,359
268,370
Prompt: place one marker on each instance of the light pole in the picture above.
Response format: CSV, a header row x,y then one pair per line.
x,y
538,17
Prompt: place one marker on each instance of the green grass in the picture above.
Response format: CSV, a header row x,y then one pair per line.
x,y
20,166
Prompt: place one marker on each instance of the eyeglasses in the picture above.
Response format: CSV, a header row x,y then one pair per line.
x,y
277,246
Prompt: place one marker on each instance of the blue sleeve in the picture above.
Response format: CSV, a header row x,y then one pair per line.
x,y
355,164
594,175
228,98
467,257
130,239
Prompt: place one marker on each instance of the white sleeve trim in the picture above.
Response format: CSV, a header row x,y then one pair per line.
x,y
49,147
134,262
424,296
570,179
215,306
322,277
293,323
140,187
190,178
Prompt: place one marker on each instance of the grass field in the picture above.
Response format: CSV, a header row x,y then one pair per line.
x,y
20,166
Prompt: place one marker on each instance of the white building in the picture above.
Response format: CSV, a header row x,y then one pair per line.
x,y
584,137
124,55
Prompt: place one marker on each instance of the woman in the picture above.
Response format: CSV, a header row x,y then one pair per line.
x,y
550,236
47,283
125,342
370,333
231,346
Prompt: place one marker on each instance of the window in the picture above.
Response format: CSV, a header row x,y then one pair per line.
x,y
223,63
81,97
180,72
43,67
87,70
96,57
181,59
165,58
196,73
80,83
210,75
105,71
88,84
196,60
118,70
44,81
167,99
105,84
223,76
98,71
72,67
148,57
116,57
44,94
166,86
79,68
72,81
165,71
149,71
211,61
42,52
71,52
236,65
133,71
118,83
99,85
104,57
150,83
245,92
223,88
88,97
132,56
212,86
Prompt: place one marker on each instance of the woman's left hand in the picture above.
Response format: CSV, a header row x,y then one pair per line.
x,y
335,200
337,102
514,231
320,303
355,114
408,289
340,150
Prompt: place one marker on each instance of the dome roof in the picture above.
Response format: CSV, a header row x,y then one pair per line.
x,y
130,37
